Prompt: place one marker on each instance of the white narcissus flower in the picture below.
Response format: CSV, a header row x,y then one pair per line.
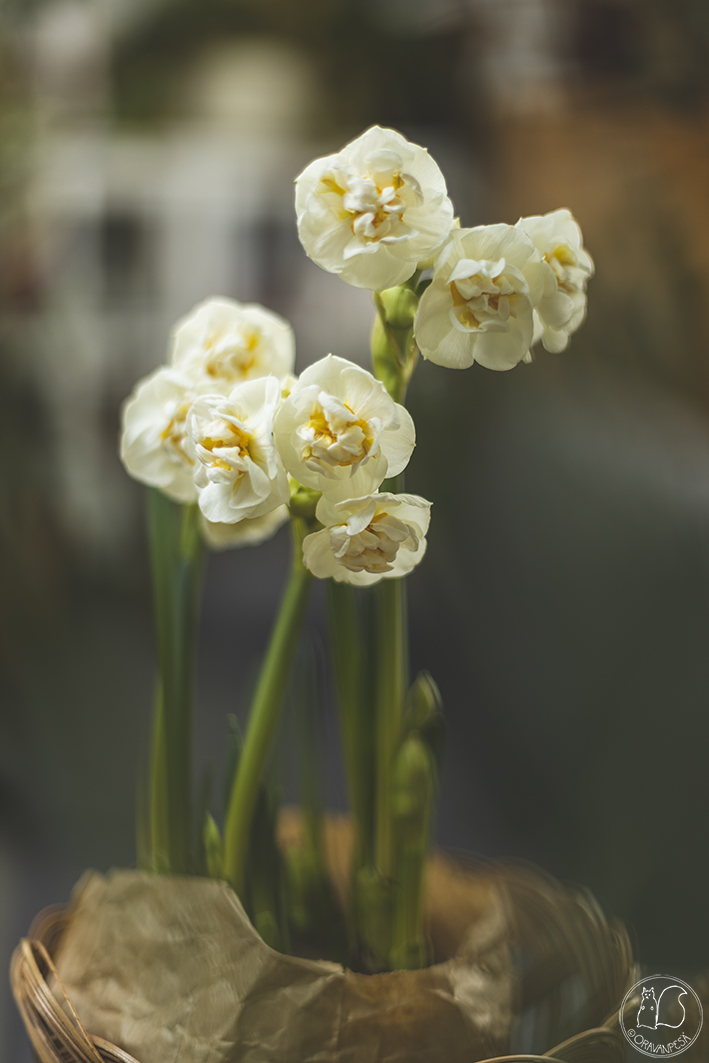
x,y
237,468
374,211
557,237
248,532
222,343
153,433
340,432
479,305
379,536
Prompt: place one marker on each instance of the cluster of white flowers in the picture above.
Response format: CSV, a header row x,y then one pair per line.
x,y
376,212
225,423
340,433
200,427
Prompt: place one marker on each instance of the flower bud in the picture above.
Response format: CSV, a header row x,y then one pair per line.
x,y
386,361
400,306
303,501
394,352
412,789
213,847
422,700
424,713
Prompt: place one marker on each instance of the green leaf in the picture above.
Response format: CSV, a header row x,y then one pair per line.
x,y
177,566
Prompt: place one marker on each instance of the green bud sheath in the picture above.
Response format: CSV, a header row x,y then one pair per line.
x,y
422,700
213,848
400,306
303,501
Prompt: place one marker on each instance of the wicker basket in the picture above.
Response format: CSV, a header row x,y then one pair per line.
x,y
55,1037
58,1035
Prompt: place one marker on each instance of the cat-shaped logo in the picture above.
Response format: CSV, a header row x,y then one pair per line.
x,y
651,1008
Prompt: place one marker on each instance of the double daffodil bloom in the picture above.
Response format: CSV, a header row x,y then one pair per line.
x,y
479,305
568,266
238,472
340,432
219,344
364,540
153,434
373,211
222,343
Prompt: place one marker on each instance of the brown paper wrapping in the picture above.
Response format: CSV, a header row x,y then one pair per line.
x,y
171,970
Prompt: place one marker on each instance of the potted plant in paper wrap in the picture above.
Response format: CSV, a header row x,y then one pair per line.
x,y
280,935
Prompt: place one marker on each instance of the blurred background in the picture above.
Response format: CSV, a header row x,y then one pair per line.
x,y
147,154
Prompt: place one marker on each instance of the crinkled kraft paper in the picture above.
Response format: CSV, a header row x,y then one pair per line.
x,y
171,970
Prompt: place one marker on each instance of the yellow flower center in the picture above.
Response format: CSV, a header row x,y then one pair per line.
x,y
230,437
229,357
481,300
371,203
173,435
335,437
375,548
562,259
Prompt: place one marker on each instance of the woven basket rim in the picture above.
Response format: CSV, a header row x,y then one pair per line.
x,y
55,1036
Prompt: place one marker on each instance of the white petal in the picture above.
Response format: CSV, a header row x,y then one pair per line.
x,y
227,342
504,350
248,532
147,449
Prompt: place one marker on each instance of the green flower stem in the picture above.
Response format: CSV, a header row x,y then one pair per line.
x,y
265,714
409,951
159,818
355,721
394,357
177,564
412,802
390,688
372,902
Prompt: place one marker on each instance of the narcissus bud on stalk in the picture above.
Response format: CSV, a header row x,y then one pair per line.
x,y
303,501
394,352
400,306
